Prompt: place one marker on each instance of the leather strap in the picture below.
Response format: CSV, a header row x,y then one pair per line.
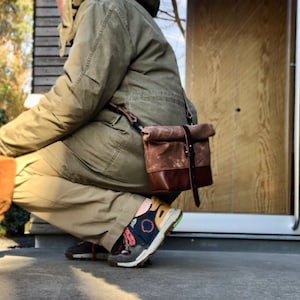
x,y
192,167
189,116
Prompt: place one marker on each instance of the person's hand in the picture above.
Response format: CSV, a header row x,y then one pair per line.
x,y
32,100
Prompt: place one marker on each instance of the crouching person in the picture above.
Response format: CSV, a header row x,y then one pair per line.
x,y
79,165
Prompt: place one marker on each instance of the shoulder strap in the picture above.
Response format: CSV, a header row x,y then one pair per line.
x,y
188,112
192,166
133,120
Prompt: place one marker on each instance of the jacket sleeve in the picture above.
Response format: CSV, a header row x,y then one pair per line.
x,y
97,63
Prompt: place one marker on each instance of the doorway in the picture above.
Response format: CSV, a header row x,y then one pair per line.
x,y
240,74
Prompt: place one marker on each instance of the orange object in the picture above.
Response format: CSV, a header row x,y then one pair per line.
x,y
7,182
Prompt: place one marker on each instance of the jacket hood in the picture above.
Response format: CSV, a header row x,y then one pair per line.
x,y
66,29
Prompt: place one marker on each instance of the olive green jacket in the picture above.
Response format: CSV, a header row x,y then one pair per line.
x,y
119,54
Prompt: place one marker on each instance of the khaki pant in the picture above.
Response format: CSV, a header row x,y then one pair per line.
x,y
86,212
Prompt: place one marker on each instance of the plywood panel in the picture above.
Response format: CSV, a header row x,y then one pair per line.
x,y
238,77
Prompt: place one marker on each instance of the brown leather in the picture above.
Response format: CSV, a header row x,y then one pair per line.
x,y
168,158
7,183
180,179
173,133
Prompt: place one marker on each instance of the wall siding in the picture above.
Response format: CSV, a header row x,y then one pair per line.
x,y
47,65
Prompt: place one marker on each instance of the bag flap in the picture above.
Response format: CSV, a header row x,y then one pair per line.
x,y
173,133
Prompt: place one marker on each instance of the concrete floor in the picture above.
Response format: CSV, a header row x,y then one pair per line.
x,y
31,273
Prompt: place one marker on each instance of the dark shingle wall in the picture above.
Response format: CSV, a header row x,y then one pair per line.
x,y
47,65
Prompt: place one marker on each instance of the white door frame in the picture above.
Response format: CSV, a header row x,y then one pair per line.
x,y
257,224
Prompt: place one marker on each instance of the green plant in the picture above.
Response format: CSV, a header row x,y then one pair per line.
x,y
14,221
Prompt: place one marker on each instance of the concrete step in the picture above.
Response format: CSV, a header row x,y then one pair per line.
x,y
47,235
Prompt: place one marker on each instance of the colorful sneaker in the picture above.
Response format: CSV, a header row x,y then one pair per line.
x,y
144,234
87,250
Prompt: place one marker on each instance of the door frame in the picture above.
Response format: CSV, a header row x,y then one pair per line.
x,y
258,224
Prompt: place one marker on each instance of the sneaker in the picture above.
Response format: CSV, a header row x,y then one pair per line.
x,y
87,250
144,234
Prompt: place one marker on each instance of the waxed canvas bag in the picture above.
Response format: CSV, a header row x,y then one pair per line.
x,y
177,158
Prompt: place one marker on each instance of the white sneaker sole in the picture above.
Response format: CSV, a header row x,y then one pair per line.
x,y
87,256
